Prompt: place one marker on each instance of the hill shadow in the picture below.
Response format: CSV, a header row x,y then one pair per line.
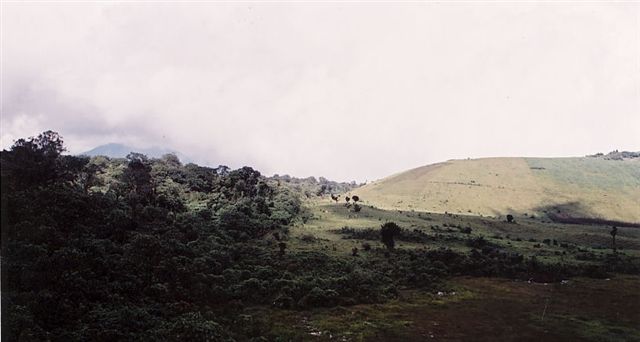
x,y
576,213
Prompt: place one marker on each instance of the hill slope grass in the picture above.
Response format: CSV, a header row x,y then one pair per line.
x,y
560,188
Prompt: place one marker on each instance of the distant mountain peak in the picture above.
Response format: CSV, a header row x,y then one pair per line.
x,y
118,150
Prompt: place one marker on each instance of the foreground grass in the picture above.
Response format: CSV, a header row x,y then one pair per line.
x,y
485,309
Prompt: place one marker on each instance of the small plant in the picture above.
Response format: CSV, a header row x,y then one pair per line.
x,y
510,218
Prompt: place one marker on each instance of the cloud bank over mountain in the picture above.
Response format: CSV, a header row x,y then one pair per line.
x,y
342,91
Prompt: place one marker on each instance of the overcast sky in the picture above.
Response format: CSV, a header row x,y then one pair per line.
x,y
346,91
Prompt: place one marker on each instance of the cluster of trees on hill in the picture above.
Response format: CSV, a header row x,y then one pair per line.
x,y
310,186
616,155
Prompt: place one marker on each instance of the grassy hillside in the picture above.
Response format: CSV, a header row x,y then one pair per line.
x,y
557,187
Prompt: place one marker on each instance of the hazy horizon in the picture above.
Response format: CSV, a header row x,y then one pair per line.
x,y
344,91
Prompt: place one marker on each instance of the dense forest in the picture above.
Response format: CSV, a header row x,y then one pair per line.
x,y
150,249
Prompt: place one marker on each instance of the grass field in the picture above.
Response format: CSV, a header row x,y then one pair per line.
x,y
565,187
473,308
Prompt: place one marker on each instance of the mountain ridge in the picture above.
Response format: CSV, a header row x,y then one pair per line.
x,y
119,150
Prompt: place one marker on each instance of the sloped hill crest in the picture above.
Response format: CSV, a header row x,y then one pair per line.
x,y
556,187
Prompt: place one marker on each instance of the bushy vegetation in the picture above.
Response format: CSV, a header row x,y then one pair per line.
x,y
486,258
141,249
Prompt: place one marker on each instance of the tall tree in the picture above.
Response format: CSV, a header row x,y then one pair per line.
x,y
137,178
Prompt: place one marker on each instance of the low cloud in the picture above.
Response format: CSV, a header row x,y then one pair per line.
x,y
346,92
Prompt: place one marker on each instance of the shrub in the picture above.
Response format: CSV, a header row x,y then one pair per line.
x,y
308,238
387,233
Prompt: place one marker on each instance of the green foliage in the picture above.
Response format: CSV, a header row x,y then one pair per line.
x,y
137,249
34,161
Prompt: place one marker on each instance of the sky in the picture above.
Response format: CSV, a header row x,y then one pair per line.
x,y
348,91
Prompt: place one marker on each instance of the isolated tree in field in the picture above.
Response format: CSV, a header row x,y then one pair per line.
x,y
348,199
510,218
613,233
335,198
355,198
388,231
